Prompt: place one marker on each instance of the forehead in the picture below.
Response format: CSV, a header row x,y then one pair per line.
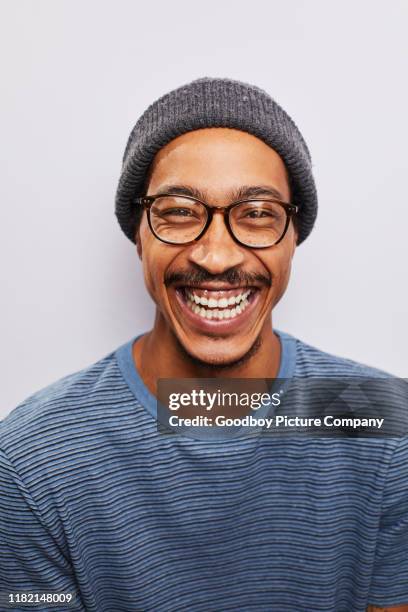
x,y
217,159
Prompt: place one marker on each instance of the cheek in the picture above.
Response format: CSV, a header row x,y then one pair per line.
x,y
151,261
156,260
150,281
280,266
284,276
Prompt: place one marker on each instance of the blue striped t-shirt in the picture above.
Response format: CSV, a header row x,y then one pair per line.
x,y
95,501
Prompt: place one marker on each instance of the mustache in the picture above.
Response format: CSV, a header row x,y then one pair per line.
x,y
232,276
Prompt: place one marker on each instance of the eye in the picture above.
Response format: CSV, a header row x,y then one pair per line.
x,y
255,214
180,212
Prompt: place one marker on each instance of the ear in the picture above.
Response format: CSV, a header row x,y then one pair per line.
x,y
296,240
295,236
138,245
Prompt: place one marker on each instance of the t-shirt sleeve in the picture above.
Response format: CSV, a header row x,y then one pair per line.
x,y
30,557
389,584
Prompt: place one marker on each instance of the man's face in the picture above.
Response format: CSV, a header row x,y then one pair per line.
x,y
216,161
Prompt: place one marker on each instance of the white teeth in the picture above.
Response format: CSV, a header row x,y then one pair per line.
x,y
221,312
224,308
221,303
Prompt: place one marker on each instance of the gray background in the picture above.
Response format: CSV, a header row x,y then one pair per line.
x,y
76,75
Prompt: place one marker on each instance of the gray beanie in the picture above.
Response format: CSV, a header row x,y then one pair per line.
x,y
209,102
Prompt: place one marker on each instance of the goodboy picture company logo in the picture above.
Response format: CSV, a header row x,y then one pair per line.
x,y
222,407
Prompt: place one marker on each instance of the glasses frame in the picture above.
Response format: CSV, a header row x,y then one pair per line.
x,y
147,201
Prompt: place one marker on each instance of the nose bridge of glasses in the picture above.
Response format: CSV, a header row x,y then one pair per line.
x,y
223,224
216,249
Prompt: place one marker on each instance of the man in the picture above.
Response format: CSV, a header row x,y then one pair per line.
x,y
216,192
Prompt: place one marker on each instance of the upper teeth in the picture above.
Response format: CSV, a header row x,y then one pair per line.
x,y
221,303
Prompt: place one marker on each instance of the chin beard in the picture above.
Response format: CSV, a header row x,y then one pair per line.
x,y
224,365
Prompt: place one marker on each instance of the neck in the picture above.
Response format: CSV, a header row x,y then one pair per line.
x,y
158,354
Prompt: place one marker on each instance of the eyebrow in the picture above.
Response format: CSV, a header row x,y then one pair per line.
x,y
245,191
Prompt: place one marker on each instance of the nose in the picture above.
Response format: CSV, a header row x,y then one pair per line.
x,y
216,250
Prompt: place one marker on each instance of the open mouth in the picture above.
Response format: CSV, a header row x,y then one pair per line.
x,y
217,307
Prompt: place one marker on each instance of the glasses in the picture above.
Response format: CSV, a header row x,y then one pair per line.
x,y
256,223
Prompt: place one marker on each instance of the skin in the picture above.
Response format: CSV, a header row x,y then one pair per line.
x,y
217,161
403,608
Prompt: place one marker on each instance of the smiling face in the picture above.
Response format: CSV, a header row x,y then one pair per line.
x,y
214,295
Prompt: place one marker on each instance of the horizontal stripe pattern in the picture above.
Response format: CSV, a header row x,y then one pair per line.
x,y
94,500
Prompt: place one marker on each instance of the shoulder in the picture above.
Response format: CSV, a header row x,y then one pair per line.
x,y
63,413
312,361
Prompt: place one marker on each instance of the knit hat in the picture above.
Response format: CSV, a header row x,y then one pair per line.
x,y
215,102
